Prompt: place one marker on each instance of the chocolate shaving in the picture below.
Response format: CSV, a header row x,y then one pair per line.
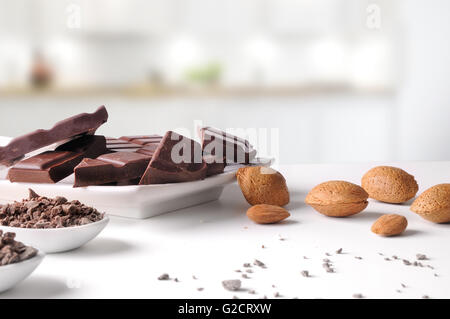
x,y
42,212
12,251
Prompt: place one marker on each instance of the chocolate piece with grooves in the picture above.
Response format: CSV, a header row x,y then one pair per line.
x,y
110,168
53,166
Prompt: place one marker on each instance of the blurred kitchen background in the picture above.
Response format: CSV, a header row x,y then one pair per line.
x,y
342,80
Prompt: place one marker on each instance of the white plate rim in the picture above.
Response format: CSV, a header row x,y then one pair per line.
x,y
40,255
104,220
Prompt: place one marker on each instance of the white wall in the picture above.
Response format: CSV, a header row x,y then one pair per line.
x,y
424,99
334,128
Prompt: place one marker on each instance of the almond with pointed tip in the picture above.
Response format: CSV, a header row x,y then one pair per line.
x,y
267,214
390,225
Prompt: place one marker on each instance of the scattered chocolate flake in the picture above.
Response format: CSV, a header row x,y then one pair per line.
x,y
406,262
403,285
339,251
247,265
399,291
259,263
304,257
326,260
387,259
235,297
249,271
232,285
264,297
381,254
421,257
429,266
305,273
358,296
327,254
200,289
425,297
415,263
245,276
237,270
193,277
273,286
436,275
394,257
176,280
357,257
12,251
164,277
263,246
42,212
328,267
277,295
252,292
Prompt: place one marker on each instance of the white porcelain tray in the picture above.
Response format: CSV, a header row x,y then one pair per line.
x,y
136,201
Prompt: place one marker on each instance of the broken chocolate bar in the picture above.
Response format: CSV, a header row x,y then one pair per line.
x,y
149,143
221,144
116,145
85,123
177,159
110,168
142,139
53,166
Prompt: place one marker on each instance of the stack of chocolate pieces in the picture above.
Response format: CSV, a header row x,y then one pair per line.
x,y
128,160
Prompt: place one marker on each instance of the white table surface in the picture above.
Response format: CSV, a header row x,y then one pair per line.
x,y
212,240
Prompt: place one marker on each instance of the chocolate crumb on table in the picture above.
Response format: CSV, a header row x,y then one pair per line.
x,y
232,285
164,277
305,273
358,296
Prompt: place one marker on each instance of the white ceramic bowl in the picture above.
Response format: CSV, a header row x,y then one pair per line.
x,y
11,275
56,240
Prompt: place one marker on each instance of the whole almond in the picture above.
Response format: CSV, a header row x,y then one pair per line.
x,y
390,225
389,184
337,198
434,204
267,214
262,185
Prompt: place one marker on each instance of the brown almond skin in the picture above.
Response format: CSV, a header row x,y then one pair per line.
x,y
390,225
267,214
389,184
261,185
337,198
434,204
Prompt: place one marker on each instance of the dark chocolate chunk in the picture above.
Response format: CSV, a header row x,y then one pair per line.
x,y
233,149
110,168
214,166
53,166
177,159
85,123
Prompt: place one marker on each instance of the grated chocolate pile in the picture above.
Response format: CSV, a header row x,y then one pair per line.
x,y
12,251
42,212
